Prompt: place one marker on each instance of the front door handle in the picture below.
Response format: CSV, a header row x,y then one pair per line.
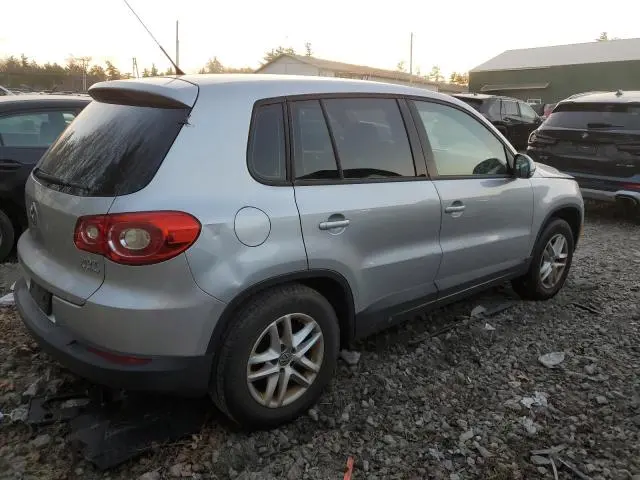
x,y
331,224
455,208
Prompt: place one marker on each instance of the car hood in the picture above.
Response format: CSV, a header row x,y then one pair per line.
x,y
547,171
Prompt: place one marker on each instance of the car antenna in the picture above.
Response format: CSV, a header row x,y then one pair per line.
x,y
178,71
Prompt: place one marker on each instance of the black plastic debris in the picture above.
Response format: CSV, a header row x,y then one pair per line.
x,y
111,436
110,427
60,408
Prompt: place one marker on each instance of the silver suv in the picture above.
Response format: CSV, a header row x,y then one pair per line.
x,y
230,233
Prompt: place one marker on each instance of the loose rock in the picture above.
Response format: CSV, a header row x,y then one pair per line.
x,y
350,357
41,441
551,360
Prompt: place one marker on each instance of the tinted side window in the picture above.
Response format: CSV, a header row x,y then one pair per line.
x,y
266,148
494,109
32,129
313,156
370,137
461,145
527,113
510,108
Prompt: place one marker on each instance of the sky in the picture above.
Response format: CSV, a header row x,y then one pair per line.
x,y
456,35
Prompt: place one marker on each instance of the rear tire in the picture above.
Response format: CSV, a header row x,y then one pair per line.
x,y
550,264
258,357
7,236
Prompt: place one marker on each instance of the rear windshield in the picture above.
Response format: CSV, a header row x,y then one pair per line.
x,y
584,116
474,102
111,149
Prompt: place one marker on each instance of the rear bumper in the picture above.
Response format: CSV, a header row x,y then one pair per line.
x,y
188,376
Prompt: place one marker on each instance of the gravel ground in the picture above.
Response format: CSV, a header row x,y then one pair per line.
x,y
446,396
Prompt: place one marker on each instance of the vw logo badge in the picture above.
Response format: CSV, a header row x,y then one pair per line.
x,y
33,214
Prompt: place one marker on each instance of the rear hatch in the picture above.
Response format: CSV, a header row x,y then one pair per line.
x,y
591,139
114,147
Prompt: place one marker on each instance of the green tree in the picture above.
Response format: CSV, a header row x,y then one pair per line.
x,y
459,78
276,52
146,73
604,37
436,74
154,70
112,72
213,65
97,74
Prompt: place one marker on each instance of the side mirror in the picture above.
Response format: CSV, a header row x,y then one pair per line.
x,y
523,166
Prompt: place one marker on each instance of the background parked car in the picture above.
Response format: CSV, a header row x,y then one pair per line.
x,y
28,125
514,118
596,138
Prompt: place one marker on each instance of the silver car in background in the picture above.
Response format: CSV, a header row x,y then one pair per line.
x,y
228,234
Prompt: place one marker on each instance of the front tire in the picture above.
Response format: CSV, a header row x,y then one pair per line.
x,y
277,357
7,236
550,264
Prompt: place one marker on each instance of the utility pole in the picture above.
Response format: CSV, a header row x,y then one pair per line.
x,y
411,59
177,48
85,65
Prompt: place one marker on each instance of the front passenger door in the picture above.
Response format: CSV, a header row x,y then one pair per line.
x,y
486,211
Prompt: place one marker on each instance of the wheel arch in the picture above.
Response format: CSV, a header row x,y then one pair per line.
x,y
333,286
571,214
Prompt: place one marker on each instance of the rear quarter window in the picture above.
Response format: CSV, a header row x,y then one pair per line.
x,y
111,149
266,152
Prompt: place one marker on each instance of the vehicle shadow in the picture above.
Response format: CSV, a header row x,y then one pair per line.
x,y
610,213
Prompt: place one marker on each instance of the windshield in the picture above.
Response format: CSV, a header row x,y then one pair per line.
x,y
584,116
111,149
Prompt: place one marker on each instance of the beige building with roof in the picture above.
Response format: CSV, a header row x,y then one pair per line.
x,y
305,65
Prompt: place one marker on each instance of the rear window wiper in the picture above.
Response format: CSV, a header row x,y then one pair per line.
x,y
603,125
47,177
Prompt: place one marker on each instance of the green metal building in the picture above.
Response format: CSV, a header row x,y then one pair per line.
x,y
550,74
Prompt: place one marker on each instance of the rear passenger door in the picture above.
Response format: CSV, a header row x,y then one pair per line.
x,y
486,211
513,122
367,208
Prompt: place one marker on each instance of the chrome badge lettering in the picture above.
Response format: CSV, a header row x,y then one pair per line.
x,y
90,265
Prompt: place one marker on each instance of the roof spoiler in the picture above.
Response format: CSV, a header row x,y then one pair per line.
x,y
159,92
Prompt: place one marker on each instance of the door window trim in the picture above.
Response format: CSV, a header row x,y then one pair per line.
x,y
424,139
413,137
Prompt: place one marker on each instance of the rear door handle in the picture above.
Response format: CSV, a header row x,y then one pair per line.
x,y
454,208
334,224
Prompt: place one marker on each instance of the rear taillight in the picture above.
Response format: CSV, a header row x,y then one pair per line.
x,y
536,139
140,238
630,186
